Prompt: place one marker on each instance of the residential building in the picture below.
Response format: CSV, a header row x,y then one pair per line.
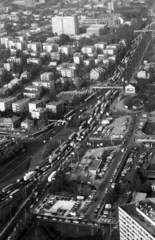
x,y
47,76
9,123
27,124
130,89
109,51
15,60
50,47
66,49
21,105
97,29
112,6
143,74
32,92
32,95
38,113
6,103
65,24
89,62
20,45
97,73
50,85
35,46
2,71
25,75
34,60
100,45
137,221
56,107
55,56
4,40
35,104
78,58
67,70
88,49
8,66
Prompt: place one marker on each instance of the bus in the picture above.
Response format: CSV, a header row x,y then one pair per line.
x,y
14,193
7,188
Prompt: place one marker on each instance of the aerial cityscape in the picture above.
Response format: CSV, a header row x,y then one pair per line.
x,y
77,120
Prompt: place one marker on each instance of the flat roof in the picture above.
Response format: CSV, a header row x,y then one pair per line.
x,y
95,165
143,212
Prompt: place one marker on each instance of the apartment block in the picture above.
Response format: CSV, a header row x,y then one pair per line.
x,y
15,60
21,105
35,104
6,103
35,46
137,220
50,47
56,107
88,49
66,49
8,66
65,24
47,76
34,60
55,56
78,58
38,113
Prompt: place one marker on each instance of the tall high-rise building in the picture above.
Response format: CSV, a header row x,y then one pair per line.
x,y
137,220
66,24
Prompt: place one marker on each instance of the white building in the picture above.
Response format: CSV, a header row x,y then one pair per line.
x,y
78,58
88,49
50,47
35,104
109,51
55,107
143,74
8,66
46,76
66,49
20,105
34,60
15,60
38,113
6,103
136,220
130,89
35,46
65,24
100,45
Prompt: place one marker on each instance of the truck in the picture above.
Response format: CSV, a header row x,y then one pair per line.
x,y
28,175
72,136
105,122
51,176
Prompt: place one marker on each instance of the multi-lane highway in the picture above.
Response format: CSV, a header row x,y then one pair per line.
x,y
66,154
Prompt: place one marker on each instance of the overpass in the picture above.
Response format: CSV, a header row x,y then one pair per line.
x,y
144,140
107,87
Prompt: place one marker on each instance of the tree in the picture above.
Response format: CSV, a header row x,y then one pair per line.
x,y
64,39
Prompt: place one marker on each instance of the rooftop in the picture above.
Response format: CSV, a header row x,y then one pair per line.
x,y
143,212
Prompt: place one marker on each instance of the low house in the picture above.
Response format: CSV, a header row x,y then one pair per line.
x,y
27,124
130,89
9,123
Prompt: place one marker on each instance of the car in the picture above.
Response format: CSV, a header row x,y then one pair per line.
x,y
44,141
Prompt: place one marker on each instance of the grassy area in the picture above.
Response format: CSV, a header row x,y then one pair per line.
x,y
149,128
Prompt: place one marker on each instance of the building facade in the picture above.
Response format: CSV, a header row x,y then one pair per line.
x,y
66,24
21,105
